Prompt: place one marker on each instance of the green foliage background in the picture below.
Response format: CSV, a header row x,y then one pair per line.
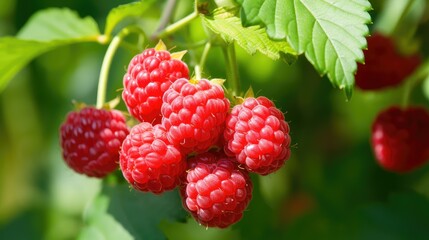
x,y
331,188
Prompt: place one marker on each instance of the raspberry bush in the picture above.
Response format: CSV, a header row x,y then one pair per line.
x,y
209,119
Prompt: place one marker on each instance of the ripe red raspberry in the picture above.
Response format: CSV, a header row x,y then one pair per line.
x,y
148,161
149,75
384,66
90,140
216,191
400,138
257,135
194,114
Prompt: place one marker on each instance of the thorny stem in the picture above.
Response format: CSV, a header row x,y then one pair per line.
x,y
232,76
107,61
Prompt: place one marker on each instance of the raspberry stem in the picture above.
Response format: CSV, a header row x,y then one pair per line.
x,y
165,18
177,25
107,61
104,72
205,54
198,72
420,74
392,24
406,96
200,66
232,76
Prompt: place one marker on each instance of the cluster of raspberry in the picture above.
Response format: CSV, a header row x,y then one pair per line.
x,y
189,136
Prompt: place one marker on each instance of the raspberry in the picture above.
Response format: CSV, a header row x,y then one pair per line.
x,y
149,75
257,135
384,66
148,161
194,114
400,138
90,140
216,192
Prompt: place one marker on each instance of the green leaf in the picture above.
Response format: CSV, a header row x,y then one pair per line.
x,y
44,31
331,33
101,225
16,53
59,24
122,12
251,39
141,213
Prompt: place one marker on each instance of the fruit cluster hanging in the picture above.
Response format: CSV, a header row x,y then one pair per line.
x,y
188,137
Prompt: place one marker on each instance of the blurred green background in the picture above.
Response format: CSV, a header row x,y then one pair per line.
x,y
331,188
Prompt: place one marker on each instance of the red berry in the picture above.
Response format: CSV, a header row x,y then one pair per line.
x,y
90,140
384,66
148,161
149,75
400,138
216,191
194,114
257,135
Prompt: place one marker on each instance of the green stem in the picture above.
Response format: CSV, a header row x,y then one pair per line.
x,y
200,66
198,72
406,95
166,16
231,69
205,54
420,74
387,23
404,13
177,25
107,61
